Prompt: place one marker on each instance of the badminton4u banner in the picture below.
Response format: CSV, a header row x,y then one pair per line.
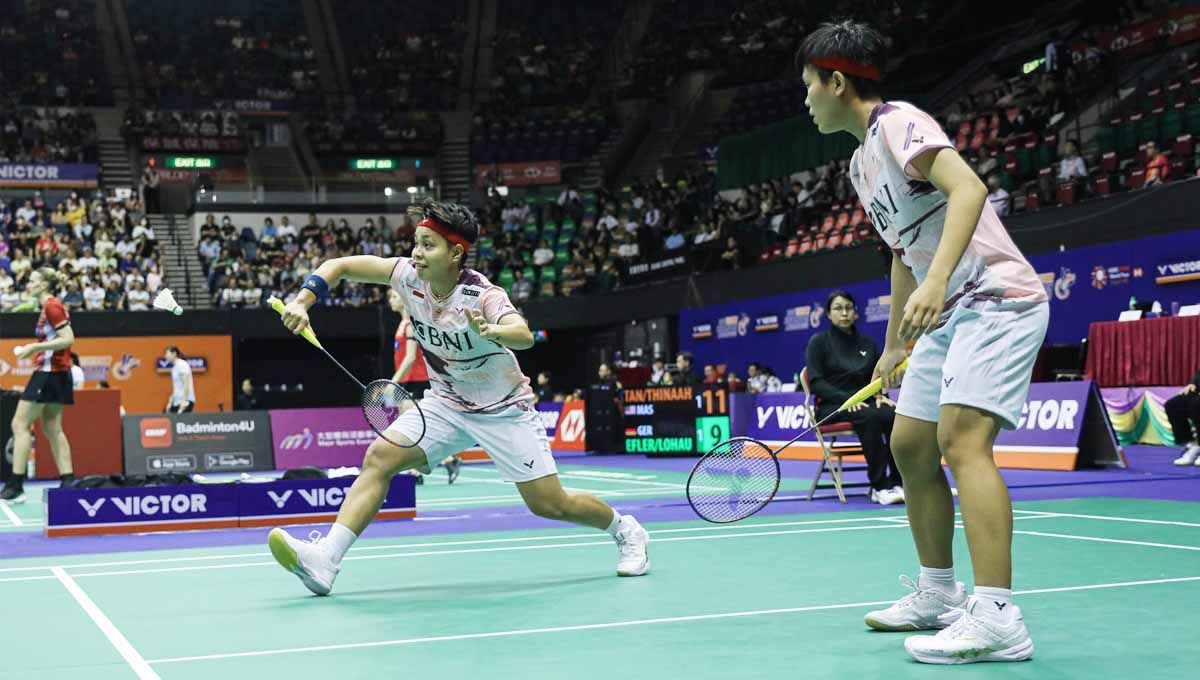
x,y
1063,426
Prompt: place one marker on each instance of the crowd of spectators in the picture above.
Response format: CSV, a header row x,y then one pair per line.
x,y
403,55
245,266
50,55
144,120
244,51
104,249
342,130
548,54
47,135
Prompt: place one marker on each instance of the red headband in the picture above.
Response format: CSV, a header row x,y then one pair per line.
x,y
443,231
847,67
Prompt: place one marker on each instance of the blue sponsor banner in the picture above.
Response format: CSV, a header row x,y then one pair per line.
x,y
550,412
1084,285
304,501
1048,434
75,512
79,512
62,175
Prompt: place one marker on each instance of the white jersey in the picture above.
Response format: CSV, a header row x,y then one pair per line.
x,y
182,388
909,212
469,373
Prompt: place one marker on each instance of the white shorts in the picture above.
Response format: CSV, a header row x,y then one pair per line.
x,y
515,438
982,357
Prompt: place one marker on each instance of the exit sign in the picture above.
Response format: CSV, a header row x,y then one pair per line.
x,y
372,163
191,162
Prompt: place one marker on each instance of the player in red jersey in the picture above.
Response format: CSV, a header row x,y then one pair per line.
x,y
49,389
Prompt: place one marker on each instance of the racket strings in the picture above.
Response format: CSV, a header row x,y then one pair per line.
x,y
733,481
383,402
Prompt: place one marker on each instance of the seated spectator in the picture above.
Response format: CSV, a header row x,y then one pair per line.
x,y
762,380
735,383
683,375
731,256
544,391
605,376
840,361
711,377
1183,410
997,196
1071,167
137,297
544,255
93,296
522,288
658,370
1158,168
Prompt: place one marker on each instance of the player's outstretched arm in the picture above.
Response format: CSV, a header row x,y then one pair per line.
x,y
363,268
510,331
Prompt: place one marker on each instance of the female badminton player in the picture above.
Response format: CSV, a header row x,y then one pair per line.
x,y
49,389
467,329
978,313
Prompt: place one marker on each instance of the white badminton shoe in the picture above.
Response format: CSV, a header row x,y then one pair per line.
x,y
922,609
632,557
1190,456
308,560
975,637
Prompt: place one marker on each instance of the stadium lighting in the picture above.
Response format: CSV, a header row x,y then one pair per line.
x,y
387,191
413,190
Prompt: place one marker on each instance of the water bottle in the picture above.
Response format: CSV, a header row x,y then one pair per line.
x,y
1132,302
31,468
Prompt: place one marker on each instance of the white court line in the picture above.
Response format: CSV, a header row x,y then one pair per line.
x,y
1098,539
131,656
1109,518
434,544
12,516
624,624
431,553
589,478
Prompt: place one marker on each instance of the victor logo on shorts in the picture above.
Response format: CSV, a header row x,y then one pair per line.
x,y
156,433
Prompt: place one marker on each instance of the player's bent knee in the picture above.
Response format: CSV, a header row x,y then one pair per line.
x,y
387,458
549,508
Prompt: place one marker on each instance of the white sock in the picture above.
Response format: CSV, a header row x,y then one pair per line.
x,y
338,541
941,580
615,525
995,603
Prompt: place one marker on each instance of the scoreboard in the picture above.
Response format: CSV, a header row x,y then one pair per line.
x,y
675,420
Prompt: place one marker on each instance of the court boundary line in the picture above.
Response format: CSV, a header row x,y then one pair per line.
x,y
106,626
486,541
13,517
1099,539
623,624
1108,518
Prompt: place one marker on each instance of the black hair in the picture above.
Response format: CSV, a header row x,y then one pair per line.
x,y
175,349
688,356
839,293
854,41
457,218
74,358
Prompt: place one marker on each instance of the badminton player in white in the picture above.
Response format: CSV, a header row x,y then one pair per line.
x,y
467,329
978,313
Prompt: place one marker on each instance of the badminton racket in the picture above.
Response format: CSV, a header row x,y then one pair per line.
x,y
382,400
739,476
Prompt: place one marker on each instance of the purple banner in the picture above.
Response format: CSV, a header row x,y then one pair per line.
x,y
1051,420
550,411
71,512
324,437
297,501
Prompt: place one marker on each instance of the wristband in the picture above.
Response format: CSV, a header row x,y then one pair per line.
x,y
317,286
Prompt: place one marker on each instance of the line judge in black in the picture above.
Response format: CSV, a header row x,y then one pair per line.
x,y
840,361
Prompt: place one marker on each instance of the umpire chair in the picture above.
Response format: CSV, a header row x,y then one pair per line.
x,y
832,452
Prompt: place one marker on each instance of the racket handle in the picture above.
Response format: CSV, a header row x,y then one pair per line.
x,y
307,333
873,388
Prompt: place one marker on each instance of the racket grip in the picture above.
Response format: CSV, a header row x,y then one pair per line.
x,y
307,333
873,388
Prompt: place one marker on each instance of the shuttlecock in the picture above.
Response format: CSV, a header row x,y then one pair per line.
x,y
165,301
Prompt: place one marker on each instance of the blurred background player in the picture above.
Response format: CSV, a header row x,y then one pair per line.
x,y
413,374
49,388
183,390
468,330
978,313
